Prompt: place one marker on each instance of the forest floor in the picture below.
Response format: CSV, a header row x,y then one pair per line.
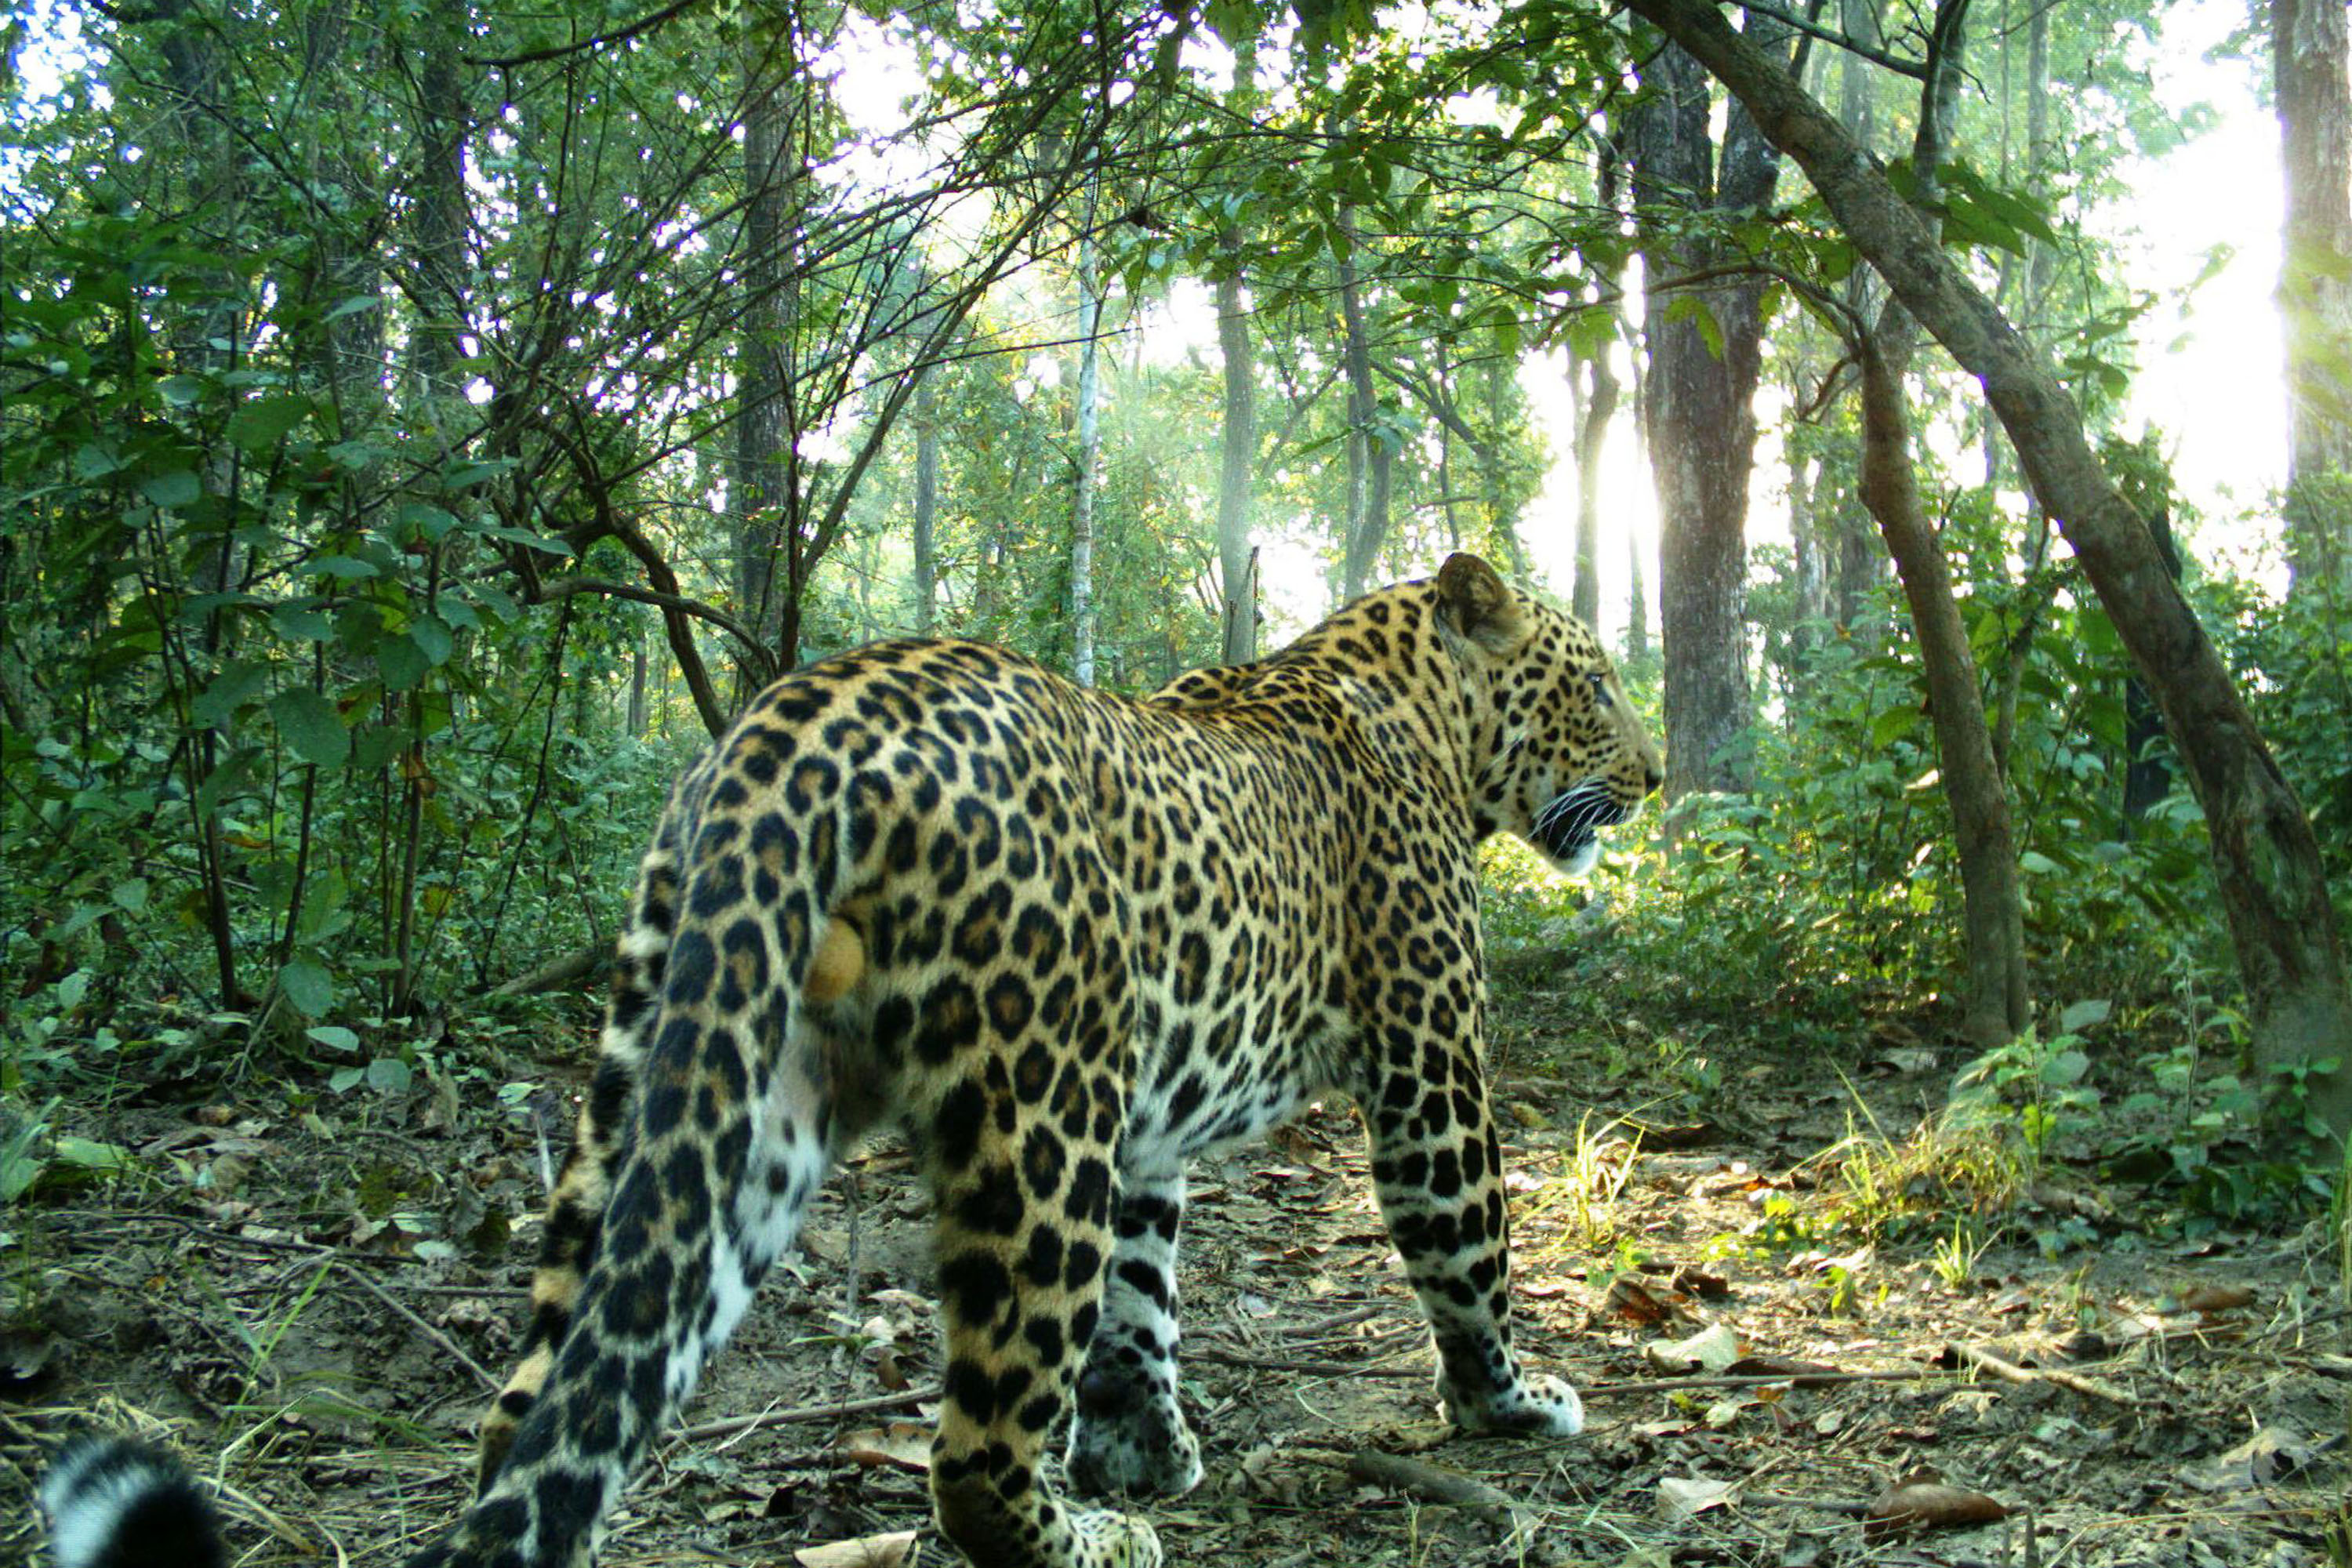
x,y
323,1295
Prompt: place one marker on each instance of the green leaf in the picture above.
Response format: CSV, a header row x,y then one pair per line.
x,y
529,541
402,662
2038,863
88,1154
432,522
306,983
130,896
228,780
433,639
1891,726
2082,1015
390,1074
346,567
354,305
297,622
264,421
180,488
236,686
312,727
334,1038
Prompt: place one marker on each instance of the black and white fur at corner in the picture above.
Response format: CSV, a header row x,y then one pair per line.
x,y
114,1503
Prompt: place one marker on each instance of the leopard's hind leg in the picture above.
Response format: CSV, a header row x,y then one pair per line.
x,y
575,1208
1023,1141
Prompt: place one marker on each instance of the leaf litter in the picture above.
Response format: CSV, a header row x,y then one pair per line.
x,y
1762,1390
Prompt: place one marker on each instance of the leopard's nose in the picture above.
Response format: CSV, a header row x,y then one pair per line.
x,y
1652,777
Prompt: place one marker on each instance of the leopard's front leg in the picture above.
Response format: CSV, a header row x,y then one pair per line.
x,y
1437,1169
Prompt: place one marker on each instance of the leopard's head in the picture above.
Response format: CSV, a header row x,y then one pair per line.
x,y
1560,752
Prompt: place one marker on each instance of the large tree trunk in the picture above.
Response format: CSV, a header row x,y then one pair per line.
x,y
2309,60
1701,422
1237,561
927,503
761,496
1089,395
1997,1005
2265,860
1600,402
1368,456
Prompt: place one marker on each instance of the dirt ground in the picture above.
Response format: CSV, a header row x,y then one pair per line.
x,y
312,1303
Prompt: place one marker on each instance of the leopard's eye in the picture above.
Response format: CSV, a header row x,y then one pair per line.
x,y
1600,687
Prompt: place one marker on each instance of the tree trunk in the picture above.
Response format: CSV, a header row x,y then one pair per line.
x,y
637,716
1368,456
1704,356
2309,60
1599,406
1997,1005
2146,779
761,499
1082,533
1237,561
2265,859
1637,595
927,503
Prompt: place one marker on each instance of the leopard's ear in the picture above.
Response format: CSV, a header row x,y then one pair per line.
x,y
1474,603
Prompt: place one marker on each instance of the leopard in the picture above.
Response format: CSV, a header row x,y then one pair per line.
x,y
1067,940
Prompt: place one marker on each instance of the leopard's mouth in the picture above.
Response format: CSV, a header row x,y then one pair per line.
x,y
1568,830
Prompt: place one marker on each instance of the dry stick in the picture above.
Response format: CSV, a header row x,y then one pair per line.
x,y
1652,1385
1435,1484
2007,1370
727,1424
428,1329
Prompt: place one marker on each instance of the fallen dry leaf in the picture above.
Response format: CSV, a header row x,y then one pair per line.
x,y
1683,1496
1797,1371
1631,1299
1713,1348
900,1445
2271,1455
1698,1282
888,1551
1921,1500
2216,1298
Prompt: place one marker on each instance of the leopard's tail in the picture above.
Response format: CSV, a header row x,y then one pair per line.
x,y
711,1125
115,1503
575,1207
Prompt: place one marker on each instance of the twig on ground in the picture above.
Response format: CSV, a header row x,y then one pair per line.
x,y
2007,1370
727,1424
1824,1504
1433,1483
420,1325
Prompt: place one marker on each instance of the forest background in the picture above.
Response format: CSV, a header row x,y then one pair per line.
x,y
424,424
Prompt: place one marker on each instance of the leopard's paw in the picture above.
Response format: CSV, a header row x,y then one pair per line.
x,y
1108,1540
1539,1407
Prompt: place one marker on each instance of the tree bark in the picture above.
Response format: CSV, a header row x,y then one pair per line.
x,y
1089,393
927,504
1698,406
761,499
1599,406
1237,561
2309,61
1368,456
2265,859
1997,1005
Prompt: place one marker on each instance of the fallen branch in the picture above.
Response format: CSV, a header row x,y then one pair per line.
x,y
1996,1366
727,1424
1433,1483
448,1345
556,974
